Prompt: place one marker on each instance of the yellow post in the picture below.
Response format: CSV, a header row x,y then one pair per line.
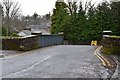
x,y
94,43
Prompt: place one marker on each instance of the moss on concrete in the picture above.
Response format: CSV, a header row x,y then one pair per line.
x,y
114,36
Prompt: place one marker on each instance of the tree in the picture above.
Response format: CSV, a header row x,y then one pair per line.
x,y
72,7
115,17
74,23
11,10
2,31
108,17
58,16
35,15
47,16
85,23
93,29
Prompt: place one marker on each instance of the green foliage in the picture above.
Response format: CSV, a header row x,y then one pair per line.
x,y
3,31
58,16
81,26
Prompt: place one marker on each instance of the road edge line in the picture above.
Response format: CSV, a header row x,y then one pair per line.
x,y
98,56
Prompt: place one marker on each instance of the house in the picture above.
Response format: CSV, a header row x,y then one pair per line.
x,y
43,28
43,25
24,33
30,32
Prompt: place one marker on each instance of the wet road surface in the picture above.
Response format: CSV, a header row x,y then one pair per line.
x,y
64,61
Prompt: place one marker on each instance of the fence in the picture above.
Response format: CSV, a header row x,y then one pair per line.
x,y
31,42
49,40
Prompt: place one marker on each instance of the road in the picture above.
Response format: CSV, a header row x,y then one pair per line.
x,y
63,61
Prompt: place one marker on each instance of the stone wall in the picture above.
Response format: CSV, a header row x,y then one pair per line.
x,y
30,42
111,45
20,44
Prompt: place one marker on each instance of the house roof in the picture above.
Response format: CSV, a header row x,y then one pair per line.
x,y
43,31
28,32
43,25
24,33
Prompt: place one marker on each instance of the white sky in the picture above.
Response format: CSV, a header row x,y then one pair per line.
x,y
41,7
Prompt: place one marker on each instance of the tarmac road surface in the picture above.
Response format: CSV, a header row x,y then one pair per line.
x,y
63,61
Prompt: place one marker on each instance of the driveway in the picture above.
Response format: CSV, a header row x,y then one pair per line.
x,y
63,61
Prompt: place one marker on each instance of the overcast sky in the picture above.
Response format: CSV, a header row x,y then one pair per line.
x,y
41,7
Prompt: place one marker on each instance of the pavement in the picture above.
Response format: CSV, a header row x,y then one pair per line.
x,y
63,61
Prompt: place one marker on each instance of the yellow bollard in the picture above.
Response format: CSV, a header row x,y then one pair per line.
x,y
94,43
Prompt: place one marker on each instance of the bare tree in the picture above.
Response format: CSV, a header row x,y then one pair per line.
x,y
0,15
11,10
35,16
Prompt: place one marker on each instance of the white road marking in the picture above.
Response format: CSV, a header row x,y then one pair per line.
x,y
28,68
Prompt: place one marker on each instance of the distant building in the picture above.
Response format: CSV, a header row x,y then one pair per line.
x,y
43,25
24,33
43,28
29,32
